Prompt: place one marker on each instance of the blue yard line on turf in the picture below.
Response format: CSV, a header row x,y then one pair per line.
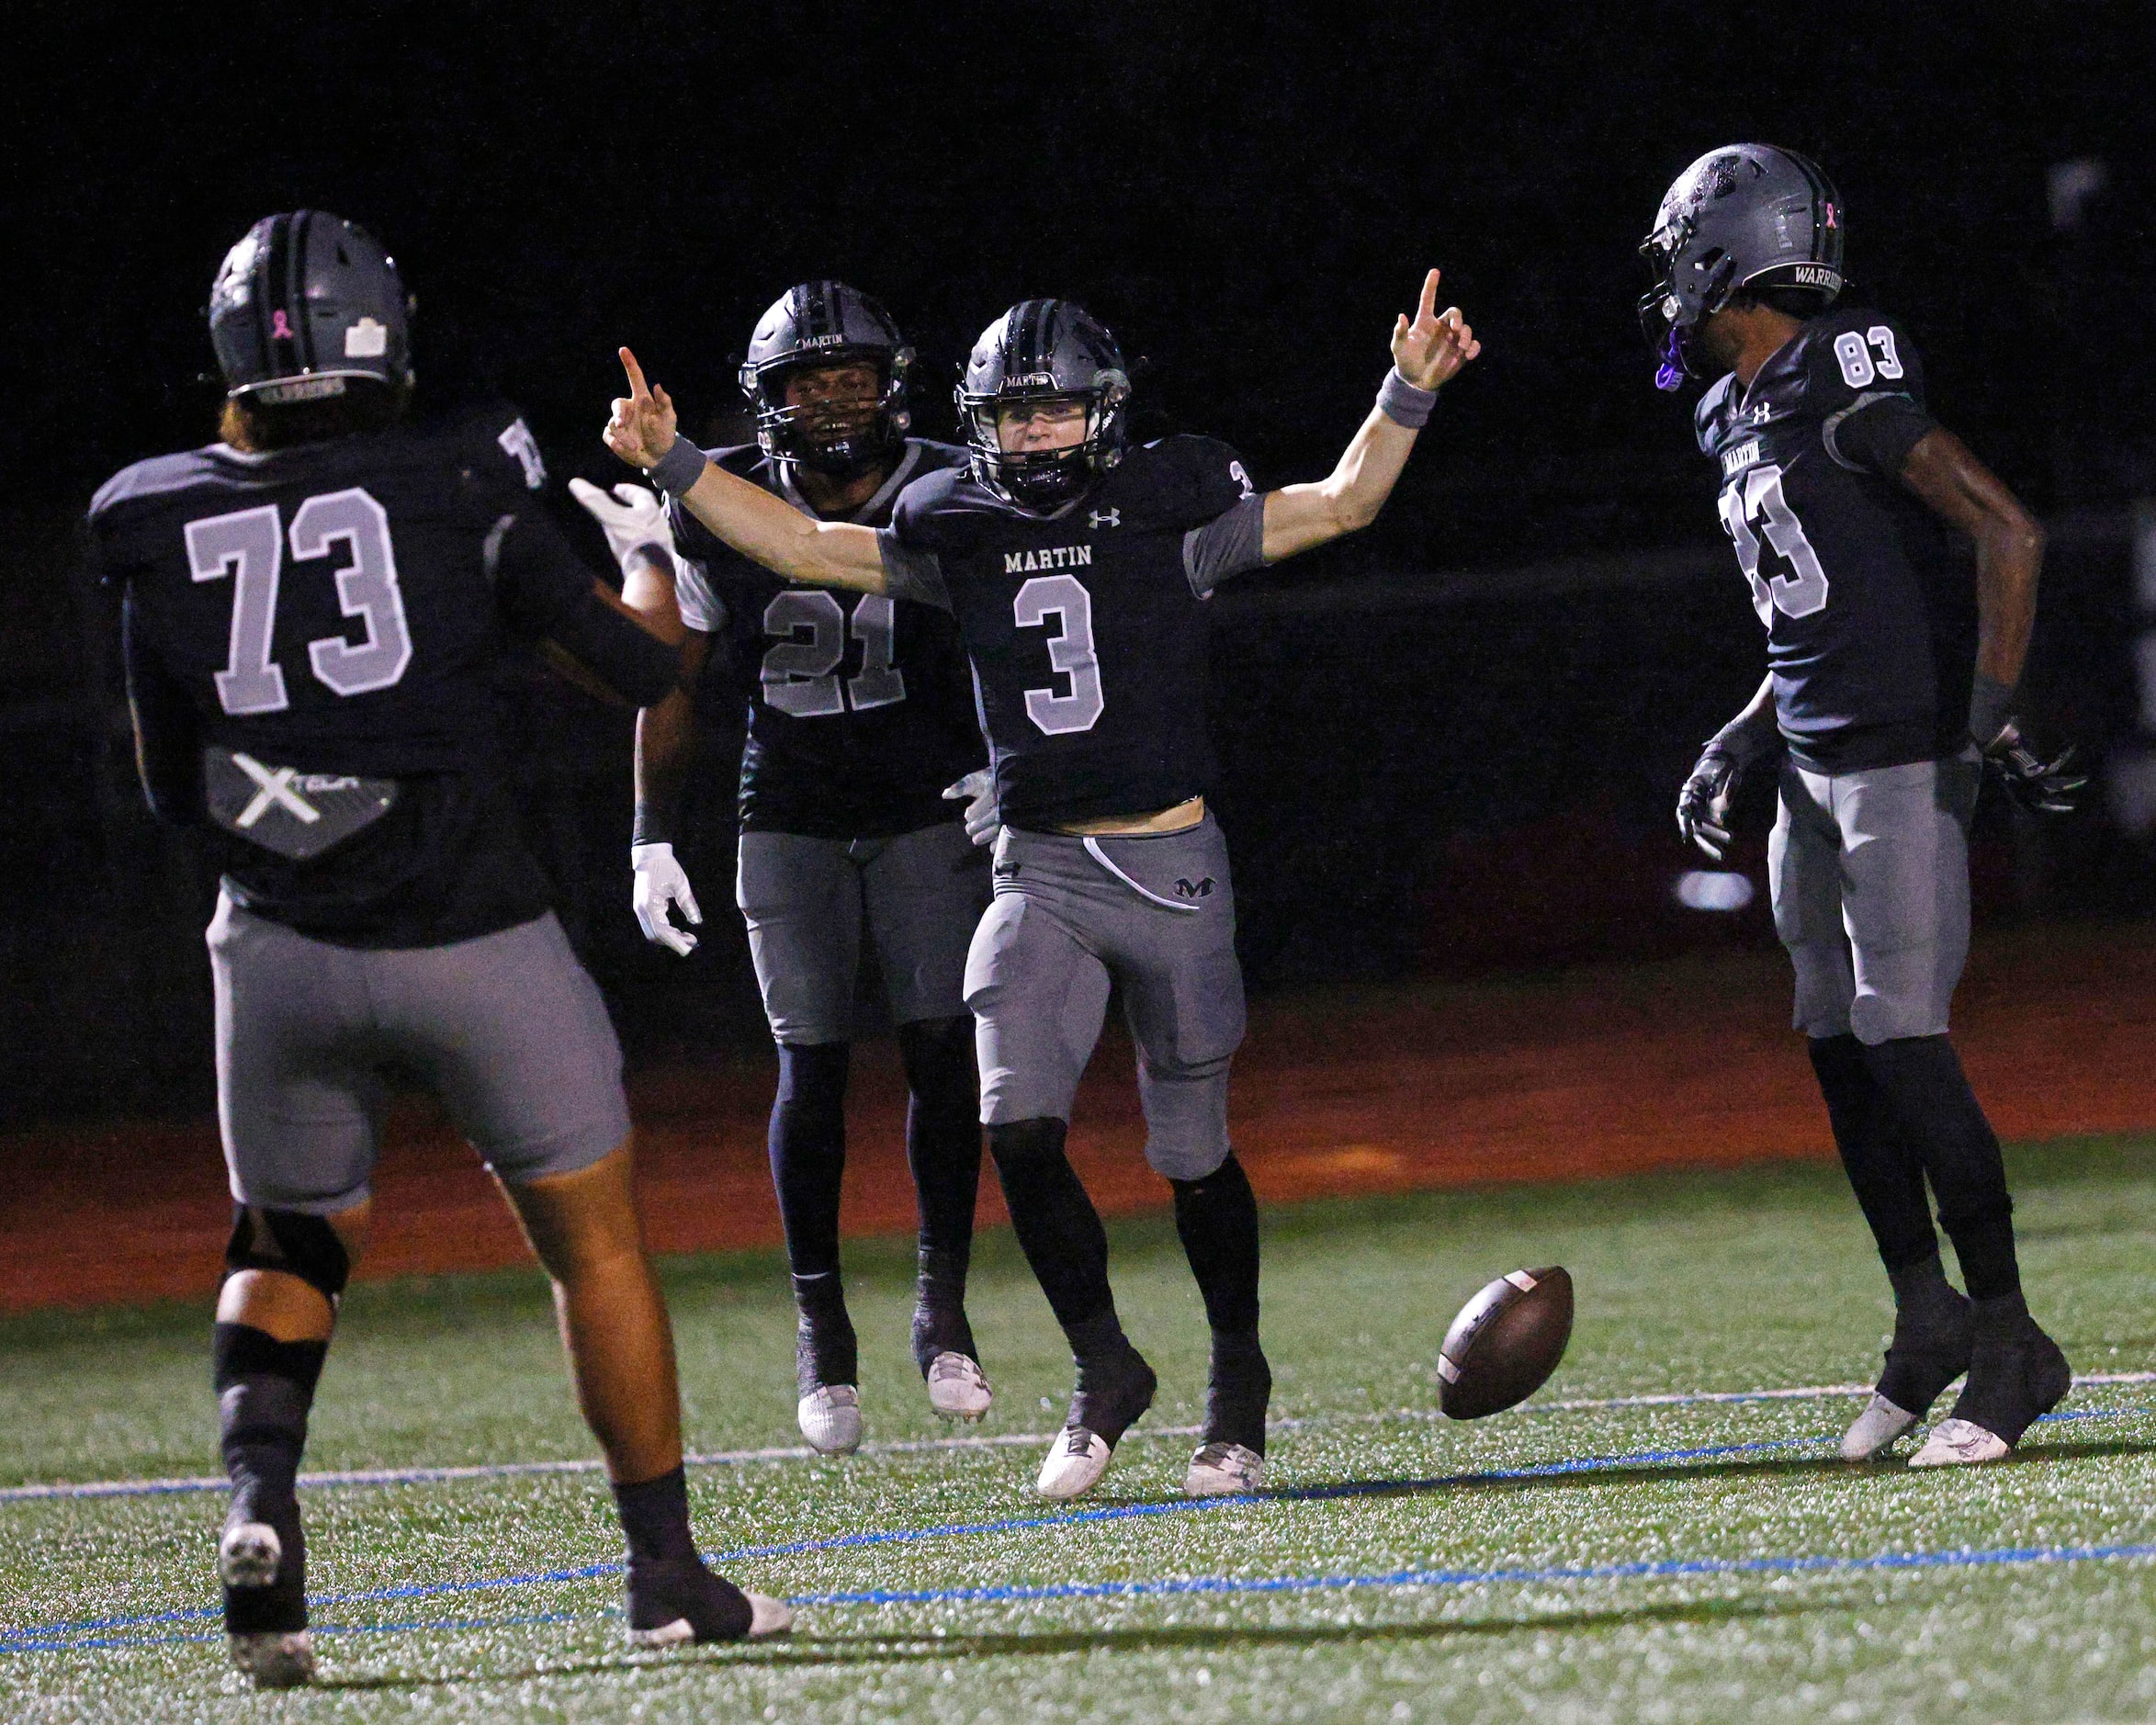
x,y
386,1477
1666,1569
13,1639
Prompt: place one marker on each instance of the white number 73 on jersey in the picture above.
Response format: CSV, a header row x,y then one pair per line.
x,y
1754,508
248,546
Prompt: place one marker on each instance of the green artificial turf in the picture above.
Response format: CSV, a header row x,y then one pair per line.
x,y
1758,1279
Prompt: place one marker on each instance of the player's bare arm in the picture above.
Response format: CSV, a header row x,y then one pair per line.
x,y
2009,545
1427,350
644,431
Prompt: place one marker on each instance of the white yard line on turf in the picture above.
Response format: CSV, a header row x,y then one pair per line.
x,y
921,1446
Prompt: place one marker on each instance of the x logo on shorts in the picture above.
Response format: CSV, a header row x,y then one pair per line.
x,y
276,792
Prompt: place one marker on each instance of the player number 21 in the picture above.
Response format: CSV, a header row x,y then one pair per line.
x,y
1755,501
248,544
800,670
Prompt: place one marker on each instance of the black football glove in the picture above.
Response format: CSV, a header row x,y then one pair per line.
x,y
1702,806
2042,787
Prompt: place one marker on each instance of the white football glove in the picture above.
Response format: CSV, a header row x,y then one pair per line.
x,y
661,886
978,789
635,524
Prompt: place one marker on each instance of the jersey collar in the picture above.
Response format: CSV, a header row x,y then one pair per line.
x,y
868,511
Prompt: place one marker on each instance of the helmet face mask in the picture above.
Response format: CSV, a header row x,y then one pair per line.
x,y
823,325
1746,217
1042,350
305,305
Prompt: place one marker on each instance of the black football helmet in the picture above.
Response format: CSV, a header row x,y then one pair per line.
x,y
826,323
1039,350
1744,216
305,304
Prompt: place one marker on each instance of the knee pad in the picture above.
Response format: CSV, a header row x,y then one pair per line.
x,y
292,1242
1826,988
1186,1118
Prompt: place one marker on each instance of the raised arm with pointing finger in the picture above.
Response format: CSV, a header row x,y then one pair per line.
x,y
1427,350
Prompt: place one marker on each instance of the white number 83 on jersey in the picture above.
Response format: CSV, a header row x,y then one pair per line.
x,y
1071,653
1756,498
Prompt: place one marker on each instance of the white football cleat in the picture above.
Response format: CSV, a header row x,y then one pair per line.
x,y
1224,1470
1075,1464
1878,1429
275,1659
829,1419
769,1616
249,1554
1956,1443
958,1388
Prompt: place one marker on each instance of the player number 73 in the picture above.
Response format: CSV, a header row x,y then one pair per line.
x,y
1753,508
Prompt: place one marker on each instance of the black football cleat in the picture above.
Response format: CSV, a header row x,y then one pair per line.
x,y
1930,1346
677,1600
1112,1396
2016,1375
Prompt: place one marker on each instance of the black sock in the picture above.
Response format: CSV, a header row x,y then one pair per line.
x,y
940,1323
942,1133
1057,1227
1237,1390
265,1389
1882,1162
655,1515
825,1350
1932,1337
1923,1077
1217,1219
808,1151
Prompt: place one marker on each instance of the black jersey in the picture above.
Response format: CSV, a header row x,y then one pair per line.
x,y
339,609
1871,620
859,711
1086,627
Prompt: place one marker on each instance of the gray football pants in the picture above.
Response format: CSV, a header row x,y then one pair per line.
x,y
807,902
508,1030
1155,917
1869,875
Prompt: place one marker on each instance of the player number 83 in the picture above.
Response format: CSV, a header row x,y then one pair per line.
x,y
1753,508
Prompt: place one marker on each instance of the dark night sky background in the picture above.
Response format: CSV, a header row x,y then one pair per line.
x,y
1247,195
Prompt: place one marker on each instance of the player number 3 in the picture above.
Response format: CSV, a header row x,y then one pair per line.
x,y
1071,653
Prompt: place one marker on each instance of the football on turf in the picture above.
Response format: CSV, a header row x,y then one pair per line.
x,y
1505,1343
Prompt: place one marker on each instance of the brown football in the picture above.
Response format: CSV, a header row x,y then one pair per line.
x,y
1505,1343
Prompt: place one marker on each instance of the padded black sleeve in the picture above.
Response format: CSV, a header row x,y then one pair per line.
x,y
636,665
1875,432
168,739
547,593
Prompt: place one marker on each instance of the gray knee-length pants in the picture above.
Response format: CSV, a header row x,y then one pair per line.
x,y
1155,916
1869,875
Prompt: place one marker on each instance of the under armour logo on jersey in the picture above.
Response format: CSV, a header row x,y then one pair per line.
x,y
1104,518
1194,889
1761,414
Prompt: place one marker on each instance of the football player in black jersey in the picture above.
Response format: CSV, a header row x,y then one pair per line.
x,y
859,715
1076,567
1889,686
312,611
